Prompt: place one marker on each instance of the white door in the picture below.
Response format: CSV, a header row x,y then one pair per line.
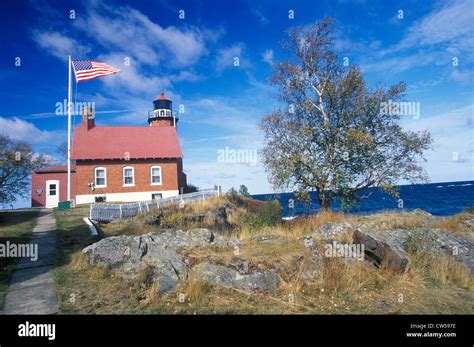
x,y
52,193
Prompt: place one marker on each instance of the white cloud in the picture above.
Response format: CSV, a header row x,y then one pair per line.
x,y
463,76
206,174
434,39
131,79
452,133
451,23
259,14
226,57
20,130
267,56
128,30
59,45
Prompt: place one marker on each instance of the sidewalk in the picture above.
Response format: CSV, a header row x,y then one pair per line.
x,y
32,288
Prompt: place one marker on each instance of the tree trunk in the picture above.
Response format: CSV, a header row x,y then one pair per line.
x,y
324,202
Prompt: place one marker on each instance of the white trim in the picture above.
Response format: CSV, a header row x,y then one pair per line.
x,y
125,197
151,175
123,177
105,177
91,226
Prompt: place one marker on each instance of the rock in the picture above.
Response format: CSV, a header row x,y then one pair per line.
x,y
431,240
383,251
227,277
457,246
469,222
239,264
109,252
419,211
218,218
266,238
307,269
131,254
220,241
332,229
179,238
311,269
366,226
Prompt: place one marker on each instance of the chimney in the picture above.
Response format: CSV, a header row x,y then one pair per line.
x,y
88,118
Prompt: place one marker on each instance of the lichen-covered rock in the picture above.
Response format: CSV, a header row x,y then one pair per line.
x,y
239,264
131,254
457,246
310,269
332,229
420,212
228,277
469,222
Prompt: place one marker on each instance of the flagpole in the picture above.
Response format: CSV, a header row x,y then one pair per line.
x,y
69,132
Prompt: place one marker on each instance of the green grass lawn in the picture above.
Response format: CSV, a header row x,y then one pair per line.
x,y
15,226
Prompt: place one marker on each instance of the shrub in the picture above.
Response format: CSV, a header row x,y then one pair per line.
x,y
419,242
153,217
243,190
190,188
268,213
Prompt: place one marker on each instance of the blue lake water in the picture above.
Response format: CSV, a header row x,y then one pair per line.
x,y
440,199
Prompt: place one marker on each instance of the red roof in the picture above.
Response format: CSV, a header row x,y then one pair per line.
x,y
114,142
162,97
62,168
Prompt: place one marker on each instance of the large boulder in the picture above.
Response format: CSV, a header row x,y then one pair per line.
x,y
380,251
433,241
159,251
228,277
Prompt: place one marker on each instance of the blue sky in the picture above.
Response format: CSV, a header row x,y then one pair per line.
x,y
192,61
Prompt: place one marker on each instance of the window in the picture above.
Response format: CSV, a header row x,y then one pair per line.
x,y
52,189
100,198
128,176
155,175
156,196
100,177
162,113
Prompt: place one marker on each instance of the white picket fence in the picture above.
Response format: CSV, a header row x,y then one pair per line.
x,y
103,212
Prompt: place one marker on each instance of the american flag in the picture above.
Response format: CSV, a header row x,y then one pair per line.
x,y
88,69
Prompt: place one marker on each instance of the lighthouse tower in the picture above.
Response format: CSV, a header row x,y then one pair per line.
x,y
162,113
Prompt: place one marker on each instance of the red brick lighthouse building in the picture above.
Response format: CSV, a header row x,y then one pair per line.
x,y
118,163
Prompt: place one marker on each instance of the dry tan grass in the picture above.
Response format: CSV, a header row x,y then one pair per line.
x,y
196,290
294,228
442,269
455,224
394,220
124,227
202,206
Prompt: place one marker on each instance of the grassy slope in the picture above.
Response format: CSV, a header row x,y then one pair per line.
x,y
16,227
432,285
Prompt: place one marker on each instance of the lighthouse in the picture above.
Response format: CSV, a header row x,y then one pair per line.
x,y
162,113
